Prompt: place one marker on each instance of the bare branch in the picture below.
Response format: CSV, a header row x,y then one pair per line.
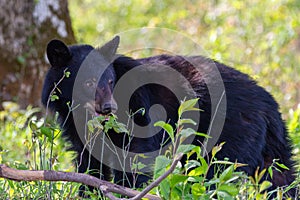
x,y
45,175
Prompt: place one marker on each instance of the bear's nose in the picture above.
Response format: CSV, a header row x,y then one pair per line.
x,y
108,108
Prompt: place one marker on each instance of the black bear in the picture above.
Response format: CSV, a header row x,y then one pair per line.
x,y
253,130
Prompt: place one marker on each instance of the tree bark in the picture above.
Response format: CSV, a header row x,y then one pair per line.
x,y
26,26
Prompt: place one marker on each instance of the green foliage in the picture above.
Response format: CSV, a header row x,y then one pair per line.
x,y
106,122
14,132
29,143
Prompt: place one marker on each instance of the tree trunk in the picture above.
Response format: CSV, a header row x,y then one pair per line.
x,y
26,26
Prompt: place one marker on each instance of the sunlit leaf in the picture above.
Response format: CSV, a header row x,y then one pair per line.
x,y
188,105
270,171
167,127
187,121
282,166
161,162
184,148
264,185
67,74
229,188
54,97
227,173
177,178
47,132
198,190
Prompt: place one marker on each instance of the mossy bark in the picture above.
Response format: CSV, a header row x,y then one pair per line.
x,y
26,26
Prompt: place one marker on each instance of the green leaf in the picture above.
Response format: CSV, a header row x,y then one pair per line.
x,y
198,171
164,187
138,166
203,135
187,121
33,126
176,194
204,164
167,127
264,185
282,166
191,164
93,125
215,150
197,150
161,163
237,165
196,179
177,178
226,174
261,174
185,133
47,132
230,189
270,171
67,74
198,190
184,148
54,97
188,106
120,128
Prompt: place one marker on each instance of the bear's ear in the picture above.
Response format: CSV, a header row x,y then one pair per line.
x,y
109,49
58,53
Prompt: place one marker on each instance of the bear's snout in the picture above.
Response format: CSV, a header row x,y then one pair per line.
x,y
105,107
110,107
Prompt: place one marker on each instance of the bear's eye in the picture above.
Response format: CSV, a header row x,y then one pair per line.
x,y
110,82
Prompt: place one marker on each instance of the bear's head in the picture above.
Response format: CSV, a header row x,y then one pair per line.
x,y
80,75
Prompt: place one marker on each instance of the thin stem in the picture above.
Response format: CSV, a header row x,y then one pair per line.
x,y
159,179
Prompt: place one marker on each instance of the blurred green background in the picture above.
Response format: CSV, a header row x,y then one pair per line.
x,y
258,37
